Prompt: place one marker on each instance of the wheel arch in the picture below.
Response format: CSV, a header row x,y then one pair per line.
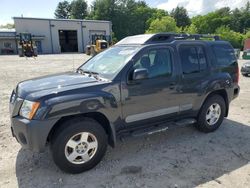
x,y
99,117
223,94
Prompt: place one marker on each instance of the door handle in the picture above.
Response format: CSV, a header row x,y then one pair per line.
x,y
172,85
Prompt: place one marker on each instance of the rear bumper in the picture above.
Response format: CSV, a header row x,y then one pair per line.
x,y
236,91
31,134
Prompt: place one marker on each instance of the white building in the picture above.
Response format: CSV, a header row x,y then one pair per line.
x,y
54,35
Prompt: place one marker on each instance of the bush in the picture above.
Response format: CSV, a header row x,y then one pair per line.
x,y
192,29
233,37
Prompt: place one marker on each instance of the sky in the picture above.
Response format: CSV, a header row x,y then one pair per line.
x,y
46,8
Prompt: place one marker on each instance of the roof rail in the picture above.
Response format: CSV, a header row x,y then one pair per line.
x,y
169,37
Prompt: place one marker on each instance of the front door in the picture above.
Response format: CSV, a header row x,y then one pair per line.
x,y
152,99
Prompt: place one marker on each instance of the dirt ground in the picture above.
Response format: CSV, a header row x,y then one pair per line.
x,y
182,157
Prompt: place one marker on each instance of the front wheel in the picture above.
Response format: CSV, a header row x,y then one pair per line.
x,y
79,145
211,114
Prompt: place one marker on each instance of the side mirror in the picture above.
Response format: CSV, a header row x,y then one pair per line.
x,y
140,74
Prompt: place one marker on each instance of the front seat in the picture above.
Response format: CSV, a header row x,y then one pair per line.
x,y
145,62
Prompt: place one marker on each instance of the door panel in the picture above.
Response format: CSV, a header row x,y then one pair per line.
x,y
154,97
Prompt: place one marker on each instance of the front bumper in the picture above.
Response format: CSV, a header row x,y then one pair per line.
x,y
31,134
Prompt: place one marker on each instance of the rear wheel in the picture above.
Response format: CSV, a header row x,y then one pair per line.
x,y
211,114
79,145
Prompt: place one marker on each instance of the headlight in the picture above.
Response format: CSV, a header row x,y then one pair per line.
x,y
28,109
13,97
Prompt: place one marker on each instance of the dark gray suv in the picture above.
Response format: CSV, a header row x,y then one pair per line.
x,y
142,85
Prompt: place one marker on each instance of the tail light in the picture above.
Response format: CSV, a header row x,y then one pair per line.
x,y
237,75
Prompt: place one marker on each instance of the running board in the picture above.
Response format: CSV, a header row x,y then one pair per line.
x,y
157,128
150,130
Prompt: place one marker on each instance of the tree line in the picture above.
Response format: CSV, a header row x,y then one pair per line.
x,y
130,17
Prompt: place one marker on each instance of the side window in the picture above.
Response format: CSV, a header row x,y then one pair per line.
x,y
157,61
189,59
202,58
193,59
224,55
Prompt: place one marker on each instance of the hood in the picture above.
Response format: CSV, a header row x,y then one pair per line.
x,y
54,83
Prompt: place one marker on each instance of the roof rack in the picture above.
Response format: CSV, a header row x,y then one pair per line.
x,y
169,37
163,37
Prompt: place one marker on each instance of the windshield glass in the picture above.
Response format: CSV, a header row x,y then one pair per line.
x,y
108,63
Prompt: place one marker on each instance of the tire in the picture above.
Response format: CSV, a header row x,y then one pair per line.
x,y
72,133
209,120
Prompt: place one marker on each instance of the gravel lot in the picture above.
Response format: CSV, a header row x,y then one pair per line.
x,y
182,157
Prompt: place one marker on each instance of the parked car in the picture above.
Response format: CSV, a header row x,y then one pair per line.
x,y
246,54
245,69
142,85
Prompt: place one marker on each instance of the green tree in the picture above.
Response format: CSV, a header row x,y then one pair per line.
x,y
63,10
235,23
211,21
154,14
164,24
233,37
129,17
247,36
240,19
102,9
79,9
192,29
181,17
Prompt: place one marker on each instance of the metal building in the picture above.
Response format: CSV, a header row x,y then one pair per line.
x,y
54,35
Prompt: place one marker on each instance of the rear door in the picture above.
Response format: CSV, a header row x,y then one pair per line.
x,y
194,74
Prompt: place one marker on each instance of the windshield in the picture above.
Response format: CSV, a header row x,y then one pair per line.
x,y
109,63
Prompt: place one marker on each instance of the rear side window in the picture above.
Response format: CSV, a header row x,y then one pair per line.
x,y
193,59
224,55
202,58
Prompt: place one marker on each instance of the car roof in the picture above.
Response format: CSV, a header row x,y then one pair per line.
x,y
161,38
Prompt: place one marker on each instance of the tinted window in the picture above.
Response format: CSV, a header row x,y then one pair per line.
x,y
157,61
202,58
224,55
193,59
189,59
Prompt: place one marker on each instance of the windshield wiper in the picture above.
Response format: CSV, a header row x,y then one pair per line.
x,y
90,73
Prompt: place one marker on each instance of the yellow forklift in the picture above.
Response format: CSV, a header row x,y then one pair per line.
x,y
26,47
98,44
